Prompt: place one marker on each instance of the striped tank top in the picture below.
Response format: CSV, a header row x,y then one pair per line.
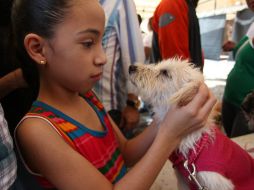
x,y
99,148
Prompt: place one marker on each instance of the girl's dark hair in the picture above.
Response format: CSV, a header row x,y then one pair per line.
x,y
5,12
6,61
39,17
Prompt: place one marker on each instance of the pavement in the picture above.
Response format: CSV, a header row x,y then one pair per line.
x,y
215,73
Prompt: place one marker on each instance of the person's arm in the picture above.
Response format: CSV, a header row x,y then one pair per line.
x,y
11,82
151,149
67,169
188,118
172,28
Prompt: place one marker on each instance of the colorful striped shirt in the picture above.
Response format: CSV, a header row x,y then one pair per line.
x,y
123,46
99,148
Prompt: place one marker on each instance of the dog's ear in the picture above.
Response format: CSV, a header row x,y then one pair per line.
x,y
183,96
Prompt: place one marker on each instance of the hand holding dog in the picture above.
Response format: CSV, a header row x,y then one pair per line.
x,y
183,104
182,120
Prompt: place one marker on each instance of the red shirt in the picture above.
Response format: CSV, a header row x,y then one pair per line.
x,y
171,23
223,156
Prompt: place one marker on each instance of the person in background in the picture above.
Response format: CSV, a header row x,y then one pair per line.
x,y
8,165
176,32
140,20
67,140
123,46
147,40
240,82
16,98
15,95
11,82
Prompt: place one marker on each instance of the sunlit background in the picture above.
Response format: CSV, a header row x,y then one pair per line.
x,y
220,20
146,7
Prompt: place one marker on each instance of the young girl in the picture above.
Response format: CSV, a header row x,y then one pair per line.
x,y
67,140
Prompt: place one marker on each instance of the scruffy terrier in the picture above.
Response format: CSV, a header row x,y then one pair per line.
x,y
206,158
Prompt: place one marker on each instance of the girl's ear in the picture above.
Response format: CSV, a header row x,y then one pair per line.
x,y
35,47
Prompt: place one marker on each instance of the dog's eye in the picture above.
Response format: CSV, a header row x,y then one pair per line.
x,y
165,73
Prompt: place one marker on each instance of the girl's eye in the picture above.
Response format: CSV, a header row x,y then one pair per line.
x,y
88,43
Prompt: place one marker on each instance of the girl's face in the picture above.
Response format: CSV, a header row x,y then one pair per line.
x,y
75,55
250,4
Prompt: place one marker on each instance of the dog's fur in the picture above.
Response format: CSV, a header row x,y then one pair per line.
x,y
176,82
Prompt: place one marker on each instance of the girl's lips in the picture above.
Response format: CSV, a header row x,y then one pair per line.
x,y
96,77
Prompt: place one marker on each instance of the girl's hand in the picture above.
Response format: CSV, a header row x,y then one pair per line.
x,y
180,121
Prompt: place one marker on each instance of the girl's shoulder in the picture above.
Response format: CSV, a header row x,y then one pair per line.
x,y
34,121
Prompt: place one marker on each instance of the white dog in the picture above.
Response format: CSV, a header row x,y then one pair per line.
x,y
205,159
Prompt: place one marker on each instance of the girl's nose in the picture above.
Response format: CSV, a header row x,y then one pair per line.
x,y
101,58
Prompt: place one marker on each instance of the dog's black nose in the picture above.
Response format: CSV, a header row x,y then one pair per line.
x,y
132,69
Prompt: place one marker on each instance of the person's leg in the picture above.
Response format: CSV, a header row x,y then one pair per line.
x,y
240,126
228,114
